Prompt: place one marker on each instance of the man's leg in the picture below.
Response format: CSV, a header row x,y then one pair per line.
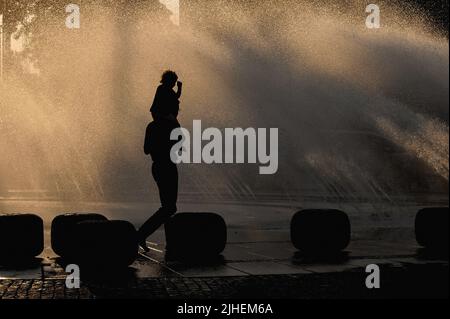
x,y
154,222
166,177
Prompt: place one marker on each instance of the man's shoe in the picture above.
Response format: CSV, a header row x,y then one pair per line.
x,y
143,245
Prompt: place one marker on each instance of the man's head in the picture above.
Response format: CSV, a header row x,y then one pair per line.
x,y
169,78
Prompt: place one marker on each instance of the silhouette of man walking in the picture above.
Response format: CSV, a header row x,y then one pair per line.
x,y
165,110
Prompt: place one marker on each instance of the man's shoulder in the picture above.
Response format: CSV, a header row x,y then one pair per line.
x,y
163,89
162,124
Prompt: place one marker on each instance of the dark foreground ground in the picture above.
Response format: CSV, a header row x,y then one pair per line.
x,y
259,261
251,275
412,282
407,281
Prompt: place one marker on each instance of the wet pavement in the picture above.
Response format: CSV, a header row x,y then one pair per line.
x,y
245,270
258,262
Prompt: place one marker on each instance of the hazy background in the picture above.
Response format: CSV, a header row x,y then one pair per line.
x,y
362,114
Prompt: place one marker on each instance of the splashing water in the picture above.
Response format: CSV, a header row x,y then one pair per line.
x,y
361,113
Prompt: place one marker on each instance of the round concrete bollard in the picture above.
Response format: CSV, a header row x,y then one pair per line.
x,y
106,244
320,231
62,236
196,235
431,228
21,236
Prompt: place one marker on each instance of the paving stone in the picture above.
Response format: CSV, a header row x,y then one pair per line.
x,y
369,261
267,268
237,253
205,271
273,250
337,268
416,261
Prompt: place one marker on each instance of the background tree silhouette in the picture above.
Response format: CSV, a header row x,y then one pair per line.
x,y
38,20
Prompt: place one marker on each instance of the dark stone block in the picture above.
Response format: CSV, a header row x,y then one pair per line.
x,y
196,235
106,244
62,236
320,231
21,237
432,228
